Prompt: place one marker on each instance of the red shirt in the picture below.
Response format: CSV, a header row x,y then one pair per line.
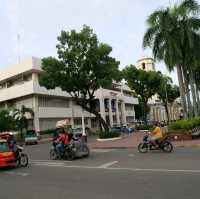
x,y
63,138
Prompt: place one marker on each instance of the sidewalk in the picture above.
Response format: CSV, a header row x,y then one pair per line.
x,y
132,141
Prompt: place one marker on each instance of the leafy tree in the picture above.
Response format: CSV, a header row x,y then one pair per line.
x,y
167,93
20,117
7,122
145,84
173,35
83,66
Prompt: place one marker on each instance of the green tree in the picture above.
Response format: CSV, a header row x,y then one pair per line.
x,y
173,35
145,84
20,117
167,93
83,66
7,122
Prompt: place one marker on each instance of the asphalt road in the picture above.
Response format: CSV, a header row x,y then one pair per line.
x,y
106,174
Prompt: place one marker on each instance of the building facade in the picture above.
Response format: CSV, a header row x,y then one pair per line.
x,y
19,85
157,110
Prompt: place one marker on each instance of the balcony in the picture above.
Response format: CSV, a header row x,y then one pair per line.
x,y
130,100
130,113
17,90
52,112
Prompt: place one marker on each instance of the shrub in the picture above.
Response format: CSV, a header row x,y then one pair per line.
x,y
185,124
51,132
144,127
108,134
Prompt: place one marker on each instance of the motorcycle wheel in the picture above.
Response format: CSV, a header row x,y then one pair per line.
x,y
86,150
167,147
71,155
142,147
53,154
24,160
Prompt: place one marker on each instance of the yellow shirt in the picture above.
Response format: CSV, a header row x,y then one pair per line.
x,y
157,132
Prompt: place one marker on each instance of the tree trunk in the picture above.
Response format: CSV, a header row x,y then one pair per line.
x,y
190,111
167,112
192,84
198,99
181,88
98,116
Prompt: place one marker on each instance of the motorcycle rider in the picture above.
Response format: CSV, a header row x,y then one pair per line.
x,y
156,134
62,141
12,144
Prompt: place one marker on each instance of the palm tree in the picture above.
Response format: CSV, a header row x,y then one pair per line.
x,y
20,116
173,36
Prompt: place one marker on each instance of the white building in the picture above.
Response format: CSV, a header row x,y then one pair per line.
x,y
157,110
19,86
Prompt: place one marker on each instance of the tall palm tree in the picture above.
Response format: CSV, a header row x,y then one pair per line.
x,y
20,116
173,35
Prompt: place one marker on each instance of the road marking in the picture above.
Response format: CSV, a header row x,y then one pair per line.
x,y
102,150
104,166
17,173
49,163
125,169
131,155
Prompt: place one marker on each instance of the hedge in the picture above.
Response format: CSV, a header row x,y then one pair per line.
x,y
185,124
144,127
108,134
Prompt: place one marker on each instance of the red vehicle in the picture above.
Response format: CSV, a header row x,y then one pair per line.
x,y
7,158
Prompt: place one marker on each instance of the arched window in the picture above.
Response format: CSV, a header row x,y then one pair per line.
x,y
143,66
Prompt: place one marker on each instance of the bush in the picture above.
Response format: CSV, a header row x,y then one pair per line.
x,y
51,132
108,134
144,127
185,124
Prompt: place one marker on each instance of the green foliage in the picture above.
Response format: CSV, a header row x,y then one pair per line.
x,y
20,118
145,127
83,66
145,84
7,122
185,124
108,134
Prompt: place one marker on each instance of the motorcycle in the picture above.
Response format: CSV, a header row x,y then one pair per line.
x,y
163,144
76,149
21,158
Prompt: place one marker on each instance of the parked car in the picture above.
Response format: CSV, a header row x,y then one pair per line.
x,y
116,129
31,137
7,158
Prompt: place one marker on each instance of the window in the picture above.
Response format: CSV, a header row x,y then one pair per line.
x,y
143,66
53,102
77,121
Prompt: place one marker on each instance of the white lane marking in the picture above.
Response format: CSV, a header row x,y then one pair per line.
x,y
131,155
102,150
49,165
49,161
127,169
17,173
106,165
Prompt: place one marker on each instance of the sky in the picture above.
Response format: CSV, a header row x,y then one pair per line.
x,y
30,27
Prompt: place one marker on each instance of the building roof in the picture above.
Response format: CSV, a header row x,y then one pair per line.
x,y
32,64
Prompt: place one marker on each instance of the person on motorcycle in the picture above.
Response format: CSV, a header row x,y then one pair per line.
x,y
12,144
62,140
156,134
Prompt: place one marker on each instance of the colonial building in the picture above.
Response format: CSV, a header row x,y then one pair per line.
x,y
157,110
19,86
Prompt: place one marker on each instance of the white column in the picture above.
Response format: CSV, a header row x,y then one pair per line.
x,y
123,112
117,111
110,113
102,108
36,122
83,123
